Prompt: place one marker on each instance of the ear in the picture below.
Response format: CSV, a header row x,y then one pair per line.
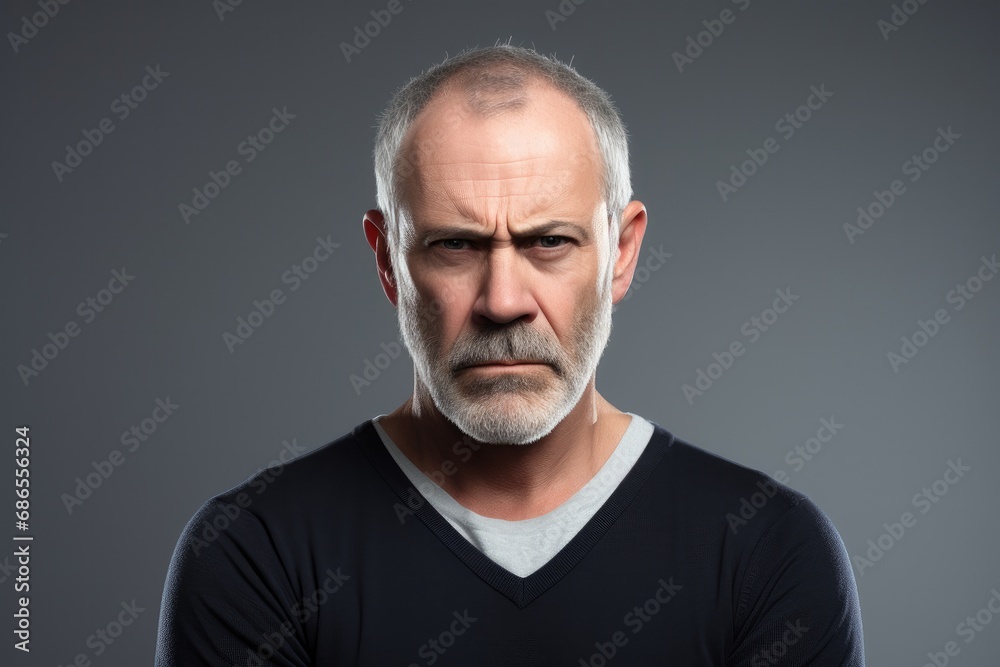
x,y
375,234
633,228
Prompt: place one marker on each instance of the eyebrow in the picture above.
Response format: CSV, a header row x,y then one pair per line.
x,y
452,231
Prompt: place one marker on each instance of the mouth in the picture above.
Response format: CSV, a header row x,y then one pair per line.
x,y
504,364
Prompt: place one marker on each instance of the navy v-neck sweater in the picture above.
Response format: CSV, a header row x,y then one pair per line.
x,y
335,559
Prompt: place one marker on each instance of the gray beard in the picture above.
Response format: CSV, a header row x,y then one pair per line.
x,y
505,408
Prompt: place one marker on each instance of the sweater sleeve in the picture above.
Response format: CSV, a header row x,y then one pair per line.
x,y
799,602
227,599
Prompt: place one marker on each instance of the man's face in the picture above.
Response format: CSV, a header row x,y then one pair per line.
x,y
489,280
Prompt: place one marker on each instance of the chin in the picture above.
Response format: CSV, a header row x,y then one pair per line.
x,y
511,420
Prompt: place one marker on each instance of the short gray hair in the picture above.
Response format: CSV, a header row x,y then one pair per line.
x,y
494,79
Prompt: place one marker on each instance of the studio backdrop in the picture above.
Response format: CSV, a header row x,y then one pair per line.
x,y
189,297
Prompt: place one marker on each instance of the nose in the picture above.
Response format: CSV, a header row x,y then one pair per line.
x,y
506,292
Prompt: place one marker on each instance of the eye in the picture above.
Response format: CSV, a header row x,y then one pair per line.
x,y
550,242
553,238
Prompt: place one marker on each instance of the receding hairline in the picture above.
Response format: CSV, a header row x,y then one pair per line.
x,y
493,81
488,96
482,99
489,88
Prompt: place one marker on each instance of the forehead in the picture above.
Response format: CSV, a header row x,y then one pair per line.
x,y
543,152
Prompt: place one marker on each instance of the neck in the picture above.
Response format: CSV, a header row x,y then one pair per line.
x,y
508,481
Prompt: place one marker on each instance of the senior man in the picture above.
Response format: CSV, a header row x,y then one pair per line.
x,y
506,513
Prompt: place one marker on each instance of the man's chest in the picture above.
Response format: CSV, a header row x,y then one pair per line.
x,y
632,595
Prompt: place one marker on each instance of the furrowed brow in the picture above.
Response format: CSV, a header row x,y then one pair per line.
x,y
544,229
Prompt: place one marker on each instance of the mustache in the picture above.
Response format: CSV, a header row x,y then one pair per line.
x,y
521,343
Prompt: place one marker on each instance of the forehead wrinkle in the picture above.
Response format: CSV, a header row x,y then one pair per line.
x,y
493,200
472,166
461,220
432,173
483,171
547,188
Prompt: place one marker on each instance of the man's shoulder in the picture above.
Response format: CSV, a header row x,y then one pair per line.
x,y
333,475
783,561
714,488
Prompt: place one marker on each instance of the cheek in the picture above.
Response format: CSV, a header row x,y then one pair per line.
x,y
440,296
445,307
562,305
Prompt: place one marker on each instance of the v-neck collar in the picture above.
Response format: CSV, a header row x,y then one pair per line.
x,y
519,590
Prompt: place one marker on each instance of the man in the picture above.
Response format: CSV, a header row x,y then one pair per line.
x,y
506,513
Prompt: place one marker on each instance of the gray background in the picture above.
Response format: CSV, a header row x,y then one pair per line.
x,y
826,357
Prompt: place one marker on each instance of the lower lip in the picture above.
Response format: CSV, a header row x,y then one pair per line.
x,y
498,367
